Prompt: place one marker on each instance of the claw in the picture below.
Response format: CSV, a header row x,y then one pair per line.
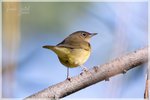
x,y
68,78
84,68
81,73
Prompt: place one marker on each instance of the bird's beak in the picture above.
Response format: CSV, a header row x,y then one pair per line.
x,y
93,34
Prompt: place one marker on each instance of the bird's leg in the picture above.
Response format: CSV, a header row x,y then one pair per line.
x,y
84,68
68,78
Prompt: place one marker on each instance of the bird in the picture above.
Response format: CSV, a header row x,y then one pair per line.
x,y
74,50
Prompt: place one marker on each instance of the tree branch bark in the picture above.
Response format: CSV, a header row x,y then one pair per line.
x,y
94,75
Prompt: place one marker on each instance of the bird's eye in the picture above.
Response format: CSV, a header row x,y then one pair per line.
x,y
84,34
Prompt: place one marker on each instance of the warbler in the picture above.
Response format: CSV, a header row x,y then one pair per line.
x,y
74,50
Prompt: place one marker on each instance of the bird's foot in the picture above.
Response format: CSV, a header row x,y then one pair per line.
x,y
68,78
84,69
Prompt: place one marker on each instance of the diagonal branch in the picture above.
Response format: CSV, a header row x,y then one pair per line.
x,y
94,75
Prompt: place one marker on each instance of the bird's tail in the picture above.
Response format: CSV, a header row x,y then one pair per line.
x,y
60,51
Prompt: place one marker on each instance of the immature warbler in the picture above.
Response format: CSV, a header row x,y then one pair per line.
x,y
74,50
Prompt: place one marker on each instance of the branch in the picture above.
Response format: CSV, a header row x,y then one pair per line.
x,y
146,93
94,75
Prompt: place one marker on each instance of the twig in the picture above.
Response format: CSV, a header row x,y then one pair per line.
x,y
94,75
146,93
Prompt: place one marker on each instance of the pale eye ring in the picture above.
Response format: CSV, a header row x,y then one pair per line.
x,y
84,34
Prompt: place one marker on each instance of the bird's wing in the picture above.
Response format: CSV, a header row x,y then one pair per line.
x,y
75,45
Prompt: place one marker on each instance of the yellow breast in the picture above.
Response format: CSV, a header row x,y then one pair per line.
x,y
72,57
